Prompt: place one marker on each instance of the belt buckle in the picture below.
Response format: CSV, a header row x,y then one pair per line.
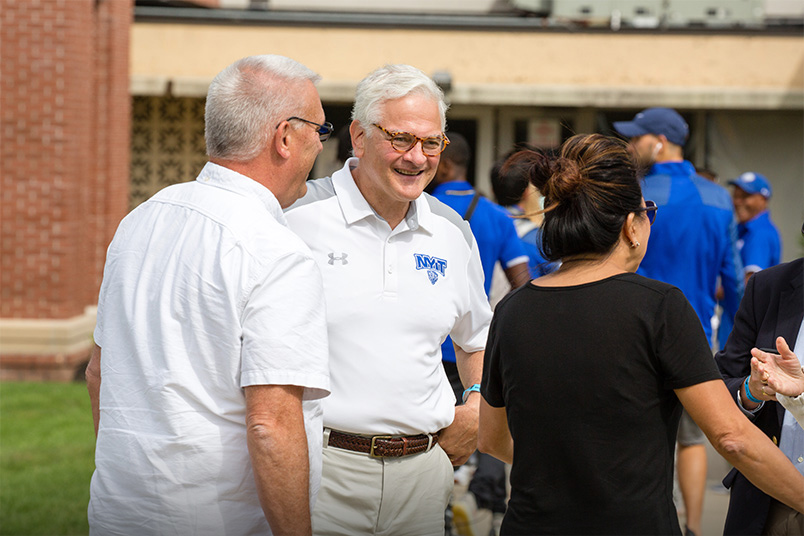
x,y
374,445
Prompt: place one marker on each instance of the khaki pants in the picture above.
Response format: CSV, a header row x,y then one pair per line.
x,y
382,496
783,521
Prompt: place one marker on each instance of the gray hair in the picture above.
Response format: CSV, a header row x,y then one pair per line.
x,y
394,82
247,99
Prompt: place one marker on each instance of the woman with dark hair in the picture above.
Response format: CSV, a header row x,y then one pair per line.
x,y
586,368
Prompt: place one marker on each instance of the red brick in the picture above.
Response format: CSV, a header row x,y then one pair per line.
x,y
64,138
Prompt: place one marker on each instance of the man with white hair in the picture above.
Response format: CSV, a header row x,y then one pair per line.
x,y
212,332
401,272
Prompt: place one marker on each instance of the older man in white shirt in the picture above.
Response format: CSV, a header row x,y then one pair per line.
x,y
211,354
401,272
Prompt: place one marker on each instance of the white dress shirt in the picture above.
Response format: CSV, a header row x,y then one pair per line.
x,y
205,291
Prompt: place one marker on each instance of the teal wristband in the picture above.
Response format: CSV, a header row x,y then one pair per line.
x,y
748,392
472,389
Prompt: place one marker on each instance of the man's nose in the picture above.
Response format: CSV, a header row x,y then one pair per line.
x,y
415,154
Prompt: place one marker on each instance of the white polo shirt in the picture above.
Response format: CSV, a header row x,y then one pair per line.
x,y
392,296
205,291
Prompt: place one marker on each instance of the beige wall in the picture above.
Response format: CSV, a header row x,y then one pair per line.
x,y
752,83
493,67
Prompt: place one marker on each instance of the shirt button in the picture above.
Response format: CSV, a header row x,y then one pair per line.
x,y
800,459
390,269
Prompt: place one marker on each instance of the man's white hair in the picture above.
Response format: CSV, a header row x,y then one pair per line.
x,y
247,100
394,82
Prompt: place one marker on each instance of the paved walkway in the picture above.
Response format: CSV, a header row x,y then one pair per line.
x,y
716,501
716,504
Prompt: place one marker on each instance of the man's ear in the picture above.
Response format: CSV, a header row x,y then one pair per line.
x,y
358,134
282,139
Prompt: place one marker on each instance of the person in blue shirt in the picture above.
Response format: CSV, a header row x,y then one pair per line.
x,y
692,243
758,239
524,203
493,229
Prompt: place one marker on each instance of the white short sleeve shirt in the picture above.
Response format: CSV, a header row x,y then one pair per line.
x,y
205,291
392,296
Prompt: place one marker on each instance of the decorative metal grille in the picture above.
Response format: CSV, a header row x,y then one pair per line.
x,y
167,144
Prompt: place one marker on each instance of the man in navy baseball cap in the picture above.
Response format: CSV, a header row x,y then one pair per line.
x,y
759,242
690,246
656,134
758,239
753,183
657,121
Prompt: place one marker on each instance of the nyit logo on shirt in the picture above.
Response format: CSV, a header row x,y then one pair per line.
x,y
433,265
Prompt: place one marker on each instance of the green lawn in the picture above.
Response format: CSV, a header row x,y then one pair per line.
x,y
47,446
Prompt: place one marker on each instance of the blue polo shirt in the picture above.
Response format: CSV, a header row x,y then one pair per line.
x,y
693,240
531,237
760,247
759,243
497,240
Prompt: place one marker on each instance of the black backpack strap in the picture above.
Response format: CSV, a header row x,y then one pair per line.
x,y
472,206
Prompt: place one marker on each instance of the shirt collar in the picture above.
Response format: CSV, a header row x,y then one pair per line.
x,y
355,207
673,168
227,179
757,219
458,186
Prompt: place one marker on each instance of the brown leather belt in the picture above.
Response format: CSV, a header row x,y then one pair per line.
x,y
382,446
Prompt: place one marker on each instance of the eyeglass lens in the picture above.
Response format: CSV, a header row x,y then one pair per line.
x,y
325,131
651,209
402,141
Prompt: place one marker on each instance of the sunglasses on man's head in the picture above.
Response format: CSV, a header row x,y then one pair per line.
x,y
650,209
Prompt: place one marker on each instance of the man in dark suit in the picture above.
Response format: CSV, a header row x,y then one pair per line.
x,y
773,306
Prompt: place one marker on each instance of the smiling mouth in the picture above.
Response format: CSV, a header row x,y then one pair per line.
x,y
408,173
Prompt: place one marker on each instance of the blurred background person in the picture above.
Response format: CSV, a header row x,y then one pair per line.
x,y
758,239
587,368
692,247
494,231
524,203
707,174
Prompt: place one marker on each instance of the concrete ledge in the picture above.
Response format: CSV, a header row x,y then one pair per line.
x,y
474,94
45,349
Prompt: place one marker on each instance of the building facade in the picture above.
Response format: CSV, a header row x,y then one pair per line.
x,y
102,105
64,174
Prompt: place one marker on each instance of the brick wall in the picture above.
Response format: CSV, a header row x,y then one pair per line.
x,y
64,155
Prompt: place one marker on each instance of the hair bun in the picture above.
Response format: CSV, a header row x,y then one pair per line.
x,y
565,180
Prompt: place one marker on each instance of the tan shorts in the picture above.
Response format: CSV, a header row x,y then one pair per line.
x,y
689,433
382,496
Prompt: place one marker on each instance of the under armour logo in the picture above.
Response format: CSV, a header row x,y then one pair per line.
x,y
433,265
342,258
